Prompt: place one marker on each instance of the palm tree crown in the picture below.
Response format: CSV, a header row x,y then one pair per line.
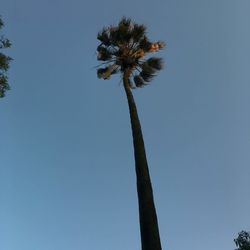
x,y
124,47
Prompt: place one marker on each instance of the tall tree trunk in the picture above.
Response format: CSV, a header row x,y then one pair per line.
x,y
150,237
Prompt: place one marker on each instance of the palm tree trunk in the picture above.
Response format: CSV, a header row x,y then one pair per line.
x,y
150,238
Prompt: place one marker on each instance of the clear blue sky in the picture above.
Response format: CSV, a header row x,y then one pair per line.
x,y
67,176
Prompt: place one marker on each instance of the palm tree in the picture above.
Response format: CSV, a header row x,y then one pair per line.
x,y
4,63
123,49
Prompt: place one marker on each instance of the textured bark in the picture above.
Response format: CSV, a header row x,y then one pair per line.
x,y
150,237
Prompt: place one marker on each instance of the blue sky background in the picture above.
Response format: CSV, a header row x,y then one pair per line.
x,y
67,176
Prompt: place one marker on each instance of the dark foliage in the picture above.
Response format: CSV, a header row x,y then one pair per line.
x,y
144,44
104,54
124,47
138,80
155,62
4,63
243,241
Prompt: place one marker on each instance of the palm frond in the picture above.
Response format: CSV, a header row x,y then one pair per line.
x,y
100,72
139,82
154,47
144,44
161,44
138,32
103,36
106,72
127,22
147,68
155,63
114,36
104,54
147,77
122,33
147,72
